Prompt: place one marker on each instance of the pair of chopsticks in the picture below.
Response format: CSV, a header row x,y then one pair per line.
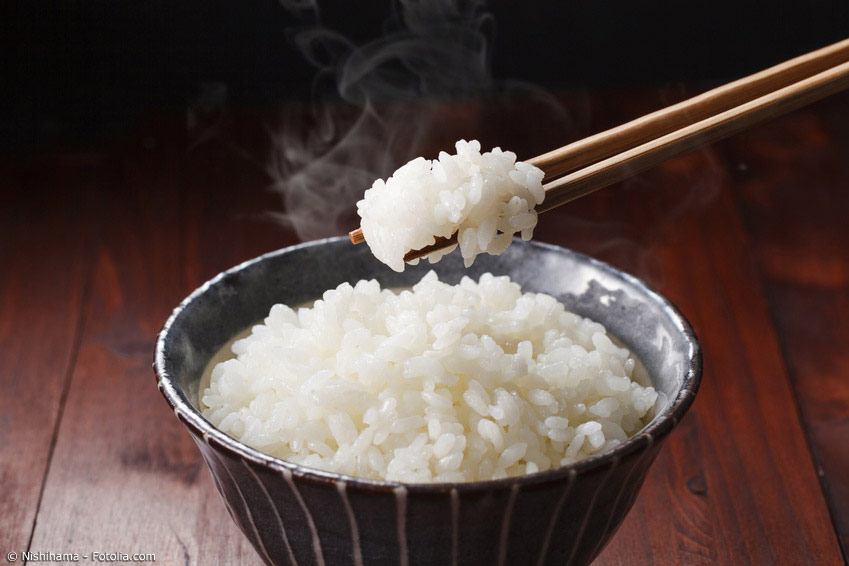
x,y
582,167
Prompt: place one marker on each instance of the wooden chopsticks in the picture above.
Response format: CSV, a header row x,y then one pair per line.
x,y
716,127
631,134
605,158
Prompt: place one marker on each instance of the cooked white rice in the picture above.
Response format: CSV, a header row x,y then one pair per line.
x,y
440,383
484,198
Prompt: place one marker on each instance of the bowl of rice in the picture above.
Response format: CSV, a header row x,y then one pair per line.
x,y
502,413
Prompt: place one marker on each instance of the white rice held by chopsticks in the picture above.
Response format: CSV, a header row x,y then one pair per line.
x,y
442,383
484,198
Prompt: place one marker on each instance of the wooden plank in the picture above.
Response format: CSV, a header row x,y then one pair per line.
x,y
126,476
790,182
736,483
44,264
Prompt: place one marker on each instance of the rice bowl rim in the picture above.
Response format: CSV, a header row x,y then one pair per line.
x,y
657,429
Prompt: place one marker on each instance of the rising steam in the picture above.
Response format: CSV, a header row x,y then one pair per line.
x,y
378,105
374,105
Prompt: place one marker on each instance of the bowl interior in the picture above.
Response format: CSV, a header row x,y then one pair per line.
x,y
639,317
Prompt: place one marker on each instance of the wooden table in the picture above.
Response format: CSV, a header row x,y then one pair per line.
x,y
748,237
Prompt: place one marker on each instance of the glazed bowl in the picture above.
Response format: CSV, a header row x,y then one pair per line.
x,y
297,515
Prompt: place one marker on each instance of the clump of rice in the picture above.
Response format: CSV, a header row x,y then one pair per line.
x,y
439,383
484,198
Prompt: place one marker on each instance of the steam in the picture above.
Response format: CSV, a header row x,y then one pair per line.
x,y
665,211
375,105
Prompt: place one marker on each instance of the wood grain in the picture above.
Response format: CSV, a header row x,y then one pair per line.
x,y
736,483
701,107
125,475
758,489
628,163
794,208
44,266
724,490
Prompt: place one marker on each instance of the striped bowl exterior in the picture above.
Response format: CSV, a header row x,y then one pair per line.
x,y
293,520
300,516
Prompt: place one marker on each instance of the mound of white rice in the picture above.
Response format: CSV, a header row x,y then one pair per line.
x,y
441,383
484,198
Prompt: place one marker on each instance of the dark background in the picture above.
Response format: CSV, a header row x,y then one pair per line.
x,y
84,73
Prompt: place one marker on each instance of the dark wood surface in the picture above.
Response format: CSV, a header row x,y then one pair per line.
x,y
748,237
